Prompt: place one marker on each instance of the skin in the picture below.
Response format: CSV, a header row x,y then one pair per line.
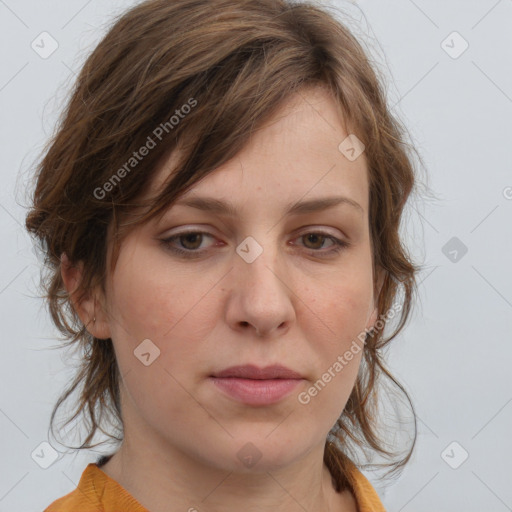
x,y
289,306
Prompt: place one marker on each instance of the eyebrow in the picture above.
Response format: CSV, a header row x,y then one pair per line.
x,y
311,206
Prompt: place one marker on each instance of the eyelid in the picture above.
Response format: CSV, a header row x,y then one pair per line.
x,y
338,244
311,228
206,229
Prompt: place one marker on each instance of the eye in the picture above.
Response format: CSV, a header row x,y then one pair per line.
x,y
316,239
191,241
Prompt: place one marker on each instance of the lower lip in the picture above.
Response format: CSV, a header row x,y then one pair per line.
x,y
256,392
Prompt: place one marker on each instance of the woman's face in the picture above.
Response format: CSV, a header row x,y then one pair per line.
x,y
256,286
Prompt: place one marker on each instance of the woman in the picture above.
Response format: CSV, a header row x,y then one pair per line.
x,y
220,210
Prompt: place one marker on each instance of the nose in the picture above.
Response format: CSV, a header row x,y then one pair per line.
x,y
262,297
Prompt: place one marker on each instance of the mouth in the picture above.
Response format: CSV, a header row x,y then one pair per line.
x,y
250,371
256,386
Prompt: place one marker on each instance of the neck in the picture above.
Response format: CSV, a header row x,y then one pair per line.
x,y
171,481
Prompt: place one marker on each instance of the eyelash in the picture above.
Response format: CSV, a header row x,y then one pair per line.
x,y
339,245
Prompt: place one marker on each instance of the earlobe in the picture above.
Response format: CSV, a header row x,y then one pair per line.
x,y
70,274
87,307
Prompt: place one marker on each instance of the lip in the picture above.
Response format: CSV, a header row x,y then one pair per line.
x,y
257,386
250,371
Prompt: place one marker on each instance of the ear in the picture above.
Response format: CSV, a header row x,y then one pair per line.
x,y
372,319
91,307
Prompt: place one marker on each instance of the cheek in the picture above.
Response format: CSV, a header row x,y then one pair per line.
x,y
327,396
174,312
337,313
334,322
173,309
341,298
151,300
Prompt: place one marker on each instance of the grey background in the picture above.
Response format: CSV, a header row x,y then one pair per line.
x,y
454,356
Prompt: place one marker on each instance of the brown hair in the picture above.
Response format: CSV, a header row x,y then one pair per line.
x,y
233,63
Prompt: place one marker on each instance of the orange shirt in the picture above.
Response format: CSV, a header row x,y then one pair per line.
x,y
97,492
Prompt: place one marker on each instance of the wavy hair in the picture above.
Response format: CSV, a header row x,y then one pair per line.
x,y
233,63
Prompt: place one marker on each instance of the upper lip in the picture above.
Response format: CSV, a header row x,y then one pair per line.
x,y
250,371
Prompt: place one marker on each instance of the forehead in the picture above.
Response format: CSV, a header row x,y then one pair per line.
x,y
294,155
